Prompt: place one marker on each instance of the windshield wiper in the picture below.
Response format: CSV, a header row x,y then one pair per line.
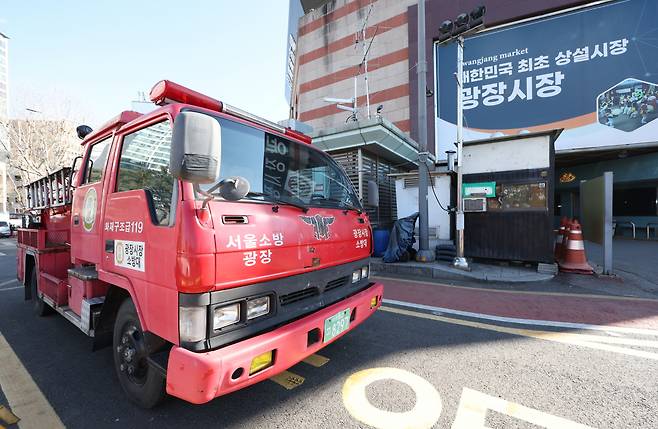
x,y
269,198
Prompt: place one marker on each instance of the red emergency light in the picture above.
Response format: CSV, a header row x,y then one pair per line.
x,y
166,91
301,136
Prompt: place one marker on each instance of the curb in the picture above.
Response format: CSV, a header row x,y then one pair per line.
x,y
448,273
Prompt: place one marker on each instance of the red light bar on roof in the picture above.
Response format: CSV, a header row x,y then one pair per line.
x,y
301,136
165,92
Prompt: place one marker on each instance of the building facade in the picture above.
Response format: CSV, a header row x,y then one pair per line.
x,y
4,107
587,67
4,75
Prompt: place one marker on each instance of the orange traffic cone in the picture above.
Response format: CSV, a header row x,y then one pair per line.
x,y
575,260
559,238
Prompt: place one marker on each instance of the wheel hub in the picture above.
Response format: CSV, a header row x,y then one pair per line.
x,y
132,354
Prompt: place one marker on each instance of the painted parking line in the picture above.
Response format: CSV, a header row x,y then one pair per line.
x,y
424,414
535,322
316,360
8,282
3,254
7,416
473,407
23,395
288,379
589,341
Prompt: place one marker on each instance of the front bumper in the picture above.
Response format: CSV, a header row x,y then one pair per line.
x,y
201,377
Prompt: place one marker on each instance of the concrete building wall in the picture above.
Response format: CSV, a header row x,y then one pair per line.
x,y
407,204
328,55
4,75
330,51
4,107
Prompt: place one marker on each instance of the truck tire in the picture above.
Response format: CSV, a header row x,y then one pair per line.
x,y
142,384
40,308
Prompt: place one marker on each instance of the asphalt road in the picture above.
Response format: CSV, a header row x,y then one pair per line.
x,y
441,371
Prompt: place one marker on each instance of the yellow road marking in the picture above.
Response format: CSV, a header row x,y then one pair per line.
x,y
424,414
523,292
288,380
22,393
316,360
7,416
590,341
473,406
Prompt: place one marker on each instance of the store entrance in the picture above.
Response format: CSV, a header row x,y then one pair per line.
x,y
635,202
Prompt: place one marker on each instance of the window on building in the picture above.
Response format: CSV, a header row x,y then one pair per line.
x,y
97,159
635,202
145,165
519,196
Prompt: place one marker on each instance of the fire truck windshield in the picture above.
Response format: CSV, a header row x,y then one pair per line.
x,y
283,171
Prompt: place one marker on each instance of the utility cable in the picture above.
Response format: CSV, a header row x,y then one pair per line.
x,y
434,192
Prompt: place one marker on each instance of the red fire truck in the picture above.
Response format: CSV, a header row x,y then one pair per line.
x,y
212,249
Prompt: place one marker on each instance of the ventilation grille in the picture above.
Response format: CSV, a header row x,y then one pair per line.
x,y
234,219
475,204
336,283
298,295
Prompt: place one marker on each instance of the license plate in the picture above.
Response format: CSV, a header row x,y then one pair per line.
x,y
336,324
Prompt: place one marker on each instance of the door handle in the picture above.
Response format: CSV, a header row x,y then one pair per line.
x,y
109,246
76,220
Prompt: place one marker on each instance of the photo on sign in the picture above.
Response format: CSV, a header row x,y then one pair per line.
x,y
628,105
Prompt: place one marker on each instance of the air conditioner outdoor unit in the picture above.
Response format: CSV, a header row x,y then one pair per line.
x,y
475,204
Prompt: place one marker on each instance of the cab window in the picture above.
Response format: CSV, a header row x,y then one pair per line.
x,y
96,161
144,164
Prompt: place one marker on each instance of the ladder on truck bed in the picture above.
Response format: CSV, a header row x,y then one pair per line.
x,y
54,190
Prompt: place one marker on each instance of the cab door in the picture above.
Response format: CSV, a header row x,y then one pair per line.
x,y
86,209
139,224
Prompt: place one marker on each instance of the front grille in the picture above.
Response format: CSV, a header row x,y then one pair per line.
x,y
312,291
298,295
336,283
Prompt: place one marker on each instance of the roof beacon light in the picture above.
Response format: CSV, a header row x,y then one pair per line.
x,y
299,135
166,92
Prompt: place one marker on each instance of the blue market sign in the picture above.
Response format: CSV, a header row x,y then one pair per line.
x,y
593,72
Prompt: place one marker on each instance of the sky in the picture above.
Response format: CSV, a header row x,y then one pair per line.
x,y
89,59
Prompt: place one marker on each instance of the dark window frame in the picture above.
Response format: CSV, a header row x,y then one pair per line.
x,y
86,179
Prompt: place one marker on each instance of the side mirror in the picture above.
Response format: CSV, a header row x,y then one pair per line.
x,y
234,188
196,148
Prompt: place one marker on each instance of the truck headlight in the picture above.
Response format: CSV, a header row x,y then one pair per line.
x,y
192,324
365,271
356,275
225,316
258,307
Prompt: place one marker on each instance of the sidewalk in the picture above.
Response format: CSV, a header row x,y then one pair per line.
x,y
442,270
579,308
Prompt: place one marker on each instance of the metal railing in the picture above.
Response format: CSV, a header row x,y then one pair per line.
x,y
629,223
654,224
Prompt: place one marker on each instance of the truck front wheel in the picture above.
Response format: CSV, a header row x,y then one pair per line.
x,y
143,385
